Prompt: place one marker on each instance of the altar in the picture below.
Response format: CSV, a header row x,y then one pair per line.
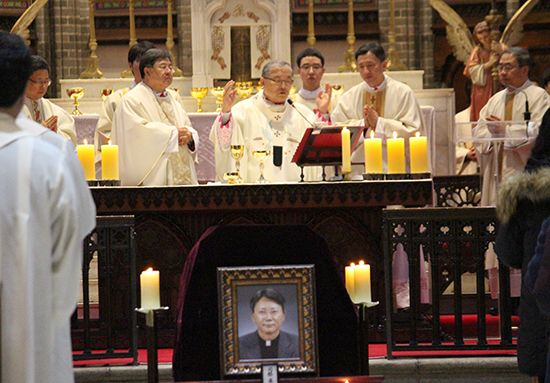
x,y
170,220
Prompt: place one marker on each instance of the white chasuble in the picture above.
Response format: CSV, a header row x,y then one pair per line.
x,y
65,122
144,132
261,126
401,114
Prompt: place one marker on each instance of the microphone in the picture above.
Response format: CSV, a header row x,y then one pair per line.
x,y
300,113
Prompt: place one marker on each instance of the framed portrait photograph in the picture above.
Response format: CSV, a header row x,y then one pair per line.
x,y
267,316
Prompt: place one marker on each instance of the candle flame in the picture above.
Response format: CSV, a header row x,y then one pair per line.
x,y
85,142
109,142
361,263
417,134
394,134
372,134
150,269
352,264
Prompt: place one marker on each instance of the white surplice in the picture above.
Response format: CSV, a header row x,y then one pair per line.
x,y
402,115
65,122
46,212
259,126
145,136
105,122
516,152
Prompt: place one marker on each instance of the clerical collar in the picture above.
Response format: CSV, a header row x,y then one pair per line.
x,y
271,103
310,94
164,93
274,106
378,88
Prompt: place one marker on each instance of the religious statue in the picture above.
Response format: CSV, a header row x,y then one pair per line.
x,y
480,52
21,26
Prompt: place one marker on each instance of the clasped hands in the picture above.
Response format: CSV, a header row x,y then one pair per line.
x,y
50,123
495,128
370,116
184,136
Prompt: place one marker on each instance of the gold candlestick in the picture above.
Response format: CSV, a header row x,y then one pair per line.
x,y
311,25
170,41
93,61
393,58
133,40
349,64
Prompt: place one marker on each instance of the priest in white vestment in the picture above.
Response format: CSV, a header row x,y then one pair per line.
x,y
104,125
45,214
157,144
509,104
42,110
267,121
380,104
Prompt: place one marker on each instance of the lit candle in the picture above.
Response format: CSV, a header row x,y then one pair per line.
x,y
86,156
361,274
150,295
373,154
350,281
396,154
419,154
346,151
109,162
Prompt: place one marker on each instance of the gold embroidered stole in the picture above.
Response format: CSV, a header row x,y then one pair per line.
x,y
36,111
181,169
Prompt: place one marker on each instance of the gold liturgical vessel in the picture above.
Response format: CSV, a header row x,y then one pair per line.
x,y
199,94
76,94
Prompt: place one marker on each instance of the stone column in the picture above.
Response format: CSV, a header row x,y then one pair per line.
x,y
63,33
413,34
185,50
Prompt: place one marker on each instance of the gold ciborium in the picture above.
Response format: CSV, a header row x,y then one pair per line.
x,y
218,93
244,90
105,93
199,94
261,155
231,177
237,152
76,94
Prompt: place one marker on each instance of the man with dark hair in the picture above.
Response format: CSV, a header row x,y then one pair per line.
x,y
156,141
380,104
546,80
104,125
45,214
311,67
41,110
509,104
269,341
266,121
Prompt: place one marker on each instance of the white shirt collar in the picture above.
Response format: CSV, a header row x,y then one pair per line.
x,y
157,94
309,94
378,88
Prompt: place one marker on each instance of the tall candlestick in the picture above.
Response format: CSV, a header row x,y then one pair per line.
x,y
419,154
86,156
396,154
150,295
350,281
373,154
109,162
362,283
346,151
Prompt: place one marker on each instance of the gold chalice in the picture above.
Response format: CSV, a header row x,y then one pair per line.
x,y
105,93
237,152
259,86
231,177
199,94
76,94
218,93
338,89
244,90
176,89
261,156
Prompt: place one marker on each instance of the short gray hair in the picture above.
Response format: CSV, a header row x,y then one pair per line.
x,y
268,67
522,55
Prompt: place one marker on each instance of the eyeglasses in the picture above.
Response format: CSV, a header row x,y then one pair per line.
x,y
506,67
281,82
315,67
48,82
163,68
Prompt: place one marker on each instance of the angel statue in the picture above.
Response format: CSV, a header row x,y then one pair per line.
x,y
481,51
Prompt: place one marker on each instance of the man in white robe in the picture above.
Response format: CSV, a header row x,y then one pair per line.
x,y
509,104
104,125
46,212
156,141
380,104
43,111
264,122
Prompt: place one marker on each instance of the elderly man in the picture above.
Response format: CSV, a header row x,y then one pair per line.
x,y
46,212
311,67
269,341
380,104
41,110
510,104
156,141
104,125
266,121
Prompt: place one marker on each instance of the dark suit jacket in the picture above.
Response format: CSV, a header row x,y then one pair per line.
x,y
249,347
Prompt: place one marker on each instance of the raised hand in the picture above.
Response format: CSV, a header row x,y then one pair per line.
x,y
229,96
323,99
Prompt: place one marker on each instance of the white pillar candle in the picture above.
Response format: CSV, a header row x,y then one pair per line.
x,y
150,294
350,281
361,273
346,150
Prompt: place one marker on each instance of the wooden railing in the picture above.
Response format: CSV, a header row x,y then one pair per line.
x,y
455,241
